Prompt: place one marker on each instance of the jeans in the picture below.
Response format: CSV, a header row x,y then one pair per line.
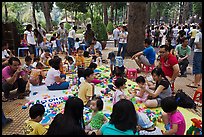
x,y
61,86
183,65
122,45
70,44
19,83
3,118
197,63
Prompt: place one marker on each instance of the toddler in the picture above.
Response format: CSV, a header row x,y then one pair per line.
x,y
76,44
32,126
93,66
173,119
119,93
71,64
45,57
141,96
87,59
146,126
80,58
116,62
53,44
37,75
97,118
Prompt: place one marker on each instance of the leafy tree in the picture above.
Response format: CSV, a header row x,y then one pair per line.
x,y
110,27
100,32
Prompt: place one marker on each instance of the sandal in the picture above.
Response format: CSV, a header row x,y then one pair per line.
x,y
192,86
4,99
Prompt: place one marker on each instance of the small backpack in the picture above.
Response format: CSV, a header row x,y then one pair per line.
x,y
185,101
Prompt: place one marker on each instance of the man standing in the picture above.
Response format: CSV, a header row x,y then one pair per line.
x,y
13,76
197,59
182,52
147,56
62,32
71,39
116,33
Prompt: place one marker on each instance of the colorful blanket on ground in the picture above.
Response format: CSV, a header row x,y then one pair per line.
x,y
54,101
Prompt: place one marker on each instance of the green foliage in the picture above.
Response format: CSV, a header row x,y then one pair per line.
x,y
43,24
54,23
67,26
73,6
99,29
110,27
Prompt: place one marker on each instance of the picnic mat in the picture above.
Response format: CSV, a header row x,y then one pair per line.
x,y
54,101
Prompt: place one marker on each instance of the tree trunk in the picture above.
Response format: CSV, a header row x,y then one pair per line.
x,y
185,13
105,13
148,6
45,9
137,21
34,17
65,15
181,12
75,17
112,13
91,10
116,16
6,12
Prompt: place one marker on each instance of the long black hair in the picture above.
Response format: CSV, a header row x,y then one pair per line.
x,y
124,116
71,122
159,72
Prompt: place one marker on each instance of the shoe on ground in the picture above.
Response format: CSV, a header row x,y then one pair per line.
x,y
21,96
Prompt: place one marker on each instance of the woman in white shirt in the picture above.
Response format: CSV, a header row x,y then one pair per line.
x,y
54,80
71,39
122,41
30,40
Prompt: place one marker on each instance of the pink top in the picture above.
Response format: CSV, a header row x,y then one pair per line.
x,y
7,72
177,118
116,97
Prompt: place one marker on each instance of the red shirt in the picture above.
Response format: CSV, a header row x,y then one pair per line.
x,y
167,66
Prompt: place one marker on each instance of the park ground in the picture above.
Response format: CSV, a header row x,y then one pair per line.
x,y
19,115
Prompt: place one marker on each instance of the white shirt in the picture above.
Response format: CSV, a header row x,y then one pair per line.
x,y
72,34
54,44
156,131
116,34
121,39
198,39
76,45
30,37
116,97
50,78
5,54
98,46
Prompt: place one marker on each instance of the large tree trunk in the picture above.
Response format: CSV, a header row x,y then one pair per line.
x,y
158,13
136,25
148,6
185,12
45,9
112,13
181,12
34,17
105,13
6,12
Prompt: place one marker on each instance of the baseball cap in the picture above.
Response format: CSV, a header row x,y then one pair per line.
x,y
144,121
111,55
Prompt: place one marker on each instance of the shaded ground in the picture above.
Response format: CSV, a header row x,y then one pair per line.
x,y
19,115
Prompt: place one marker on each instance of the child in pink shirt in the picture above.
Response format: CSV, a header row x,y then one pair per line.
x,y
172,117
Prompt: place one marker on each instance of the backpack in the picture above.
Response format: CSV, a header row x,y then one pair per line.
x,y
185,101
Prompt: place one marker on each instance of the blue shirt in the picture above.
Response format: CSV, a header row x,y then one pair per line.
x,y
118,61
150,54
109,129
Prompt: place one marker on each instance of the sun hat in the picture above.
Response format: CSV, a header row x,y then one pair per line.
x,y
144,121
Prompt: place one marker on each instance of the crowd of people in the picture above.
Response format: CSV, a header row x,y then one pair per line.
x,y
172,61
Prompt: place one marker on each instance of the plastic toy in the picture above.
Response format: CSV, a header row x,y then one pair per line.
x,y
196,128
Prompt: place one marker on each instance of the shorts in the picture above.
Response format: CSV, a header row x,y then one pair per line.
x,y
158,101
197,63
144,60
32,49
